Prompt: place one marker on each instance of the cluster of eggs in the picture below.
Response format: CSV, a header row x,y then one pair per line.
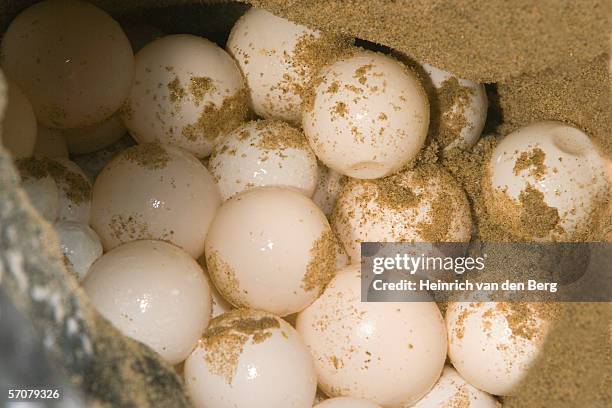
x,y
218,230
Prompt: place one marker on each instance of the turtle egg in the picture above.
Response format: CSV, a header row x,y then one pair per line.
x,y
18,132
187,92
421,205
388,353
492,345
453,391
546,181
50,143
270,249
279,60
343,402
152,292
264,153
71,184
71,59
368,116
328,188
95,137
80,244
248,358
153,191
460,109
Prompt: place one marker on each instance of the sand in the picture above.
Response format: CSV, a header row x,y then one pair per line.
x,y
484,40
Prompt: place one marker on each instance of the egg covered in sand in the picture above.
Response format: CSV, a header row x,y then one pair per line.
x,y
153,191
271,249
187,92
264,153
492,345
422,205
546,182
248,358
388,353
367,116
279,60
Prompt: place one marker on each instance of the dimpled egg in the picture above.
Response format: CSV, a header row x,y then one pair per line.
x,y
152,292
270,249
80,244
546,181
18,133
453,391
492,345
421,205
248,358
264,153
279,60
368,116
71,59
187,92
388,353
460,109
153,191
343,402
95,137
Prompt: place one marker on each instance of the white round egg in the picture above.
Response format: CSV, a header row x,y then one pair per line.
x,y
421,205
153,191
461,108
270,249
80,244
152,292
50,143
248,358
328,188
453,391
492,345
388,353
264,153
279,60
546,181
368,116
95,137
187,92
344,402
71,59
18,132
72,186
